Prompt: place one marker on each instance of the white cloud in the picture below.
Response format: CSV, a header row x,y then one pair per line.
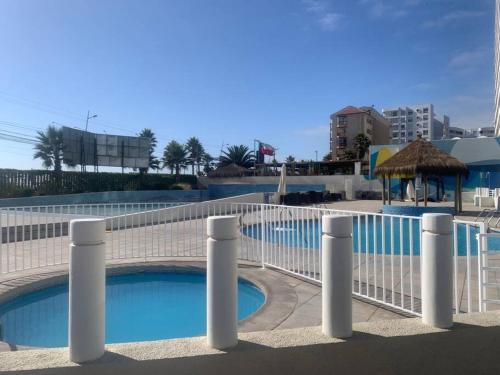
x,y
315,6
330,21
467,59
424,86
381,8
327,19
318,131
451,17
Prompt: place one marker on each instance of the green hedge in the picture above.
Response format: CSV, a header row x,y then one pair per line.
x,y
18,183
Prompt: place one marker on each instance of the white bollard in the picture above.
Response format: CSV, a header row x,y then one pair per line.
x,y
437,270
222,281
337,276
87,280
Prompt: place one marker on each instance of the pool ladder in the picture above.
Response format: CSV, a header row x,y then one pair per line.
x,y
488,216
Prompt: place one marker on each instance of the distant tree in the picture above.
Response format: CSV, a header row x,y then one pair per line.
x,y
208,162
49,148
154,163
196,151
239,155
361,145
175,157
290,159
349,155
327,157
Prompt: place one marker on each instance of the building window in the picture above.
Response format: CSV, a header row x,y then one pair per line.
x,y
395,135
410,133
426,117
426,132
341,141
426,110
403,126
342,120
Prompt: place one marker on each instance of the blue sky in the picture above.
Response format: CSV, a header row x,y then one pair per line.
x,y
230,71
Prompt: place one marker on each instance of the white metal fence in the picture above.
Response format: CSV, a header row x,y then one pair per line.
x,y
386,247
489,270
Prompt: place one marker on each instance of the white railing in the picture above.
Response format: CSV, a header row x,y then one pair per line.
x,y
37,236
489,270
386,247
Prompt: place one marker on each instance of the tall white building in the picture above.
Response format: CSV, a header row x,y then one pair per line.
x,y
497,68
410,121
455,131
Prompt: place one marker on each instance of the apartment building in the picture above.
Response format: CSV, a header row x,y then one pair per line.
x,y
454,132
350,121
410,121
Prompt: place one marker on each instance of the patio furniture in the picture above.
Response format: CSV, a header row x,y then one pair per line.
x,y
496,198
482,198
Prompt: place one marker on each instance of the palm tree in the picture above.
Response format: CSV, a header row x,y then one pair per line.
x,y
49,148
239,155
361,145
175,157
208,162
327,157
196,151
290,159
154,163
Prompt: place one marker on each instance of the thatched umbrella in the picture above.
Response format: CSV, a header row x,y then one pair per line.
x,y
422,158
230,170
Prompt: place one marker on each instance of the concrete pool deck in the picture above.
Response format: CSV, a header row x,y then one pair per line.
x,y
404,346
290,302
469,212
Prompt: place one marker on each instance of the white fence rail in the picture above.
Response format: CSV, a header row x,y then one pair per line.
x,y
386,247
489,270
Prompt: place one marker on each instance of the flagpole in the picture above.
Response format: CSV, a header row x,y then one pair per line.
x,y
254,159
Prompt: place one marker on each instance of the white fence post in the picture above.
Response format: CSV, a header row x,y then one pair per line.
x,y
262,236
337,275
437,270
222,281
86,289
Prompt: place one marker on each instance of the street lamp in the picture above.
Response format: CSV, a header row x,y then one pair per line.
x,y
316,155
82,143
88,118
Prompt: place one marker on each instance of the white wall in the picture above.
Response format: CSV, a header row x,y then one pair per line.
x,y
335,183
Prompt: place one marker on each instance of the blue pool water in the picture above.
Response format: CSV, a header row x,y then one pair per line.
x,y
307,233
139,307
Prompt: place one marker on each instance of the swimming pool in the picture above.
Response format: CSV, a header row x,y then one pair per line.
x,y
139,307
307,234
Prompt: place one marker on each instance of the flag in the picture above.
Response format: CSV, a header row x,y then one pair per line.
x,y
266,149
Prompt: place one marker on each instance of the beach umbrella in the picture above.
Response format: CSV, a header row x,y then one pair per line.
x,y
282,185
410,190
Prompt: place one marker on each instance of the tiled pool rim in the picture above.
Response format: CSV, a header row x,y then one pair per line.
x,y
264,318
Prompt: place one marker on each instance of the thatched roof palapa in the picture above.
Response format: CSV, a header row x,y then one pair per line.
x,y
230,170
421,157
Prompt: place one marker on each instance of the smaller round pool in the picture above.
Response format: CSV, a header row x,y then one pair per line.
x,y
139,307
